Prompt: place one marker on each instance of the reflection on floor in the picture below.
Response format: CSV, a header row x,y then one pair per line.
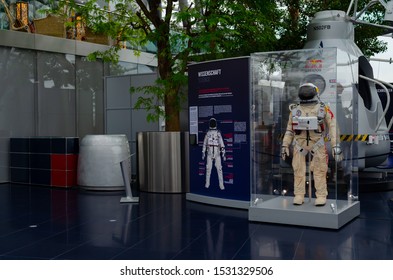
x,y
47,223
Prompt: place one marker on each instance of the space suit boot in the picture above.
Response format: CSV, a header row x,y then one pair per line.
x,y
298,199
320,201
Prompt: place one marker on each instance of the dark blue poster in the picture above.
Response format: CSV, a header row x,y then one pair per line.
x,y
220,129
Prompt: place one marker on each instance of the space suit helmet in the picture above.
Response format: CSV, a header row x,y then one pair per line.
x,y
213,123
308,92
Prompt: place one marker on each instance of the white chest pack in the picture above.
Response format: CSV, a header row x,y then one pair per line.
x,y
310,122
213,138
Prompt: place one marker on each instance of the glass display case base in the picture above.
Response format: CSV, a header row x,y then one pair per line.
x,y
218,201
334,214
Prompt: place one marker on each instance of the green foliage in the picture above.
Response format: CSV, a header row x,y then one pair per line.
x,y
150,98
110,55
231,28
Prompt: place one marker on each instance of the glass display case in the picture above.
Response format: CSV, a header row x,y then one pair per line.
x,y
323,142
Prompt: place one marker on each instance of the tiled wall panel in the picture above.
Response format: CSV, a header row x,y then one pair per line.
x,y
47,161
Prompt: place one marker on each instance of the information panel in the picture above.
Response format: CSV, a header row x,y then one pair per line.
x,y
219,129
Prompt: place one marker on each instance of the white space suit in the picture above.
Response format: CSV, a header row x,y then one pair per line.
x,y
306,131
213,148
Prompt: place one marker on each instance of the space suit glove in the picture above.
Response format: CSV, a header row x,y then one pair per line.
x,y
284,152
337,153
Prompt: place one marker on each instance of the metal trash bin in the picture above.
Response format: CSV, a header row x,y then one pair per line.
x,y
99,162
163,160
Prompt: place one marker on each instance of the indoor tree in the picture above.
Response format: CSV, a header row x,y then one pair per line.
x,y
184,31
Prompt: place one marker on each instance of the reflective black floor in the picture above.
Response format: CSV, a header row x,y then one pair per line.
x,y
45,223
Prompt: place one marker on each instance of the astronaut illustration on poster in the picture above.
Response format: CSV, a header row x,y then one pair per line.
x,y
213,149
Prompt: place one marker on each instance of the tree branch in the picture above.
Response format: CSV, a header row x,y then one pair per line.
x,y
152,13
145,25
168,13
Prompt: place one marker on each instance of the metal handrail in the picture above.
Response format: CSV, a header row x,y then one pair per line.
x,y
381,83
391,86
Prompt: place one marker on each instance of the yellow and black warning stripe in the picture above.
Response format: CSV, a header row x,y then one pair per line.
x,y
344,137
354,137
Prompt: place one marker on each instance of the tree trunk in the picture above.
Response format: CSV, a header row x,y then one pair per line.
x,y
172,121
294,12
165,61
